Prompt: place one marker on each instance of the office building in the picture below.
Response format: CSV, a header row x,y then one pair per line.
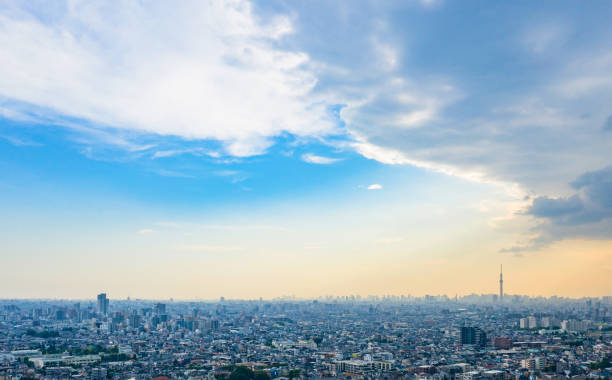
x,y
473,336
102,304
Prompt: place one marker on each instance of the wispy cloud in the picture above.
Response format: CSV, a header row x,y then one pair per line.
x,y
236,176
145,231
176,152
17,141
544,36
375,186
172,173
320,160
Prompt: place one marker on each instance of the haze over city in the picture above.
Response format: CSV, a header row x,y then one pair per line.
x,y
202,149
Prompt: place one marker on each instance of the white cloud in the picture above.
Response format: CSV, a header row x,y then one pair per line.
x,y
176,152
145,231
375,186
387,55
395,157
197,70
405,104
321,160
19,141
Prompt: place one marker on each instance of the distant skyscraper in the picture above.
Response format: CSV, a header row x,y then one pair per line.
x,y
501,284
102,304
160,308
473,336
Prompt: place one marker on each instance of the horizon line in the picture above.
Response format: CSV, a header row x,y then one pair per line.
x,y
294,298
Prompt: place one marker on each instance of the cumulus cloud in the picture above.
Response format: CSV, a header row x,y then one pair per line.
x,y
587,214
375,186
556,208
320,160
592,203
198,70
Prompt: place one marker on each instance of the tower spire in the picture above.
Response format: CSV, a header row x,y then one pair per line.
x,y
501,283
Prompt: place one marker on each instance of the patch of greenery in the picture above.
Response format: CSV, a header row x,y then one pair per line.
x,y
115,357
43,334
244,373
603,363
93,350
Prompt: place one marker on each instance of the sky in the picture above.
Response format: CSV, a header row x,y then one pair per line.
x,y
200,149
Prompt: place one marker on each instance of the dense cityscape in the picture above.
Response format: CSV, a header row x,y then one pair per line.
x,y
493,337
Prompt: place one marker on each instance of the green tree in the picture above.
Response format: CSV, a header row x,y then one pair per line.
x,y
261,375
242,373
604,363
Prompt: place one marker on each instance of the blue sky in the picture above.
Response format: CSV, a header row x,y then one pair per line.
x,y
402,134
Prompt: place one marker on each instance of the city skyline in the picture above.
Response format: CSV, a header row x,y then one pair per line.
x,y
314,339
251,149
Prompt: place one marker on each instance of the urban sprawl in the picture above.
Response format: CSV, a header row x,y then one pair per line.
x,y
394,337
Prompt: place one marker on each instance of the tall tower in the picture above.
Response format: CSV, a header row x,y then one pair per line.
x,y
102,304
501,283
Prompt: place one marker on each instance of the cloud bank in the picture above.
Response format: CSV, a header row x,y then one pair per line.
x,y
587,213
198,70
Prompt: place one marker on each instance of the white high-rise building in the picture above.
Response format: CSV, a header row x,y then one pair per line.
x,y
533,363
533,322
574,325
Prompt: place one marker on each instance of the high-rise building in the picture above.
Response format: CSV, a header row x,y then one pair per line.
x,y
134,320
501,284
102,304
160,308
533,322
473,335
